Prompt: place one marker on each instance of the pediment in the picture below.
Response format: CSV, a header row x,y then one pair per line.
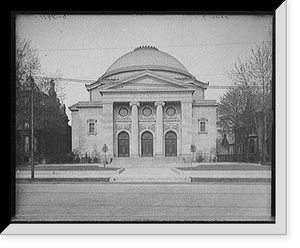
x,y
148,81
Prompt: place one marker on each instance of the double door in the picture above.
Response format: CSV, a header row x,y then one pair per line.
x,y
171,144
147,144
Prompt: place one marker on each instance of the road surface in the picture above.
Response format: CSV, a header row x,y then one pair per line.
x,y
102,202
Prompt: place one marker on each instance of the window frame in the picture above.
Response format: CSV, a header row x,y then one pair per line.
x,y
89,122
202,122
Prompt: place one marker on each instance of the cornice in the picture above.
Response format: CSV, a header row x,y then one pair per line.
x,y
186,90
87,104
205,103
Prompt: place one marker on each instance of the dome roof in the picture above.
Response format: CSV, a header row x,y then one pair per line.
x,y
146,58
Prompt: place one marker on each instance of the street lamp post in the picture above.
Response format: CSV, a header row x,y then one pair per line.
x,y
104,149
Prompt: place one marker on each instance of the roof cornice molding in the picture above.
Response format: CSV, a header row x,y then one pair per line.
x,y
150,74
186,90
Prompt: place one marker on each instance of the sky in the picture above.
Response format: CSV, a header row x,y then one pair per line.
x,y
84,46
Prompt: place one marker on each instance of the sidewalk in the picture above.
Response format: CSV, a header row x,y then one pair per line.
x,y
97,173
55,171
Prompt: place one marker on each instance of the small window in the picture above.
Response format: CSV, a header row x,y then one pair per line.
x,y
171,111
147,111
92,127
123,112
202,126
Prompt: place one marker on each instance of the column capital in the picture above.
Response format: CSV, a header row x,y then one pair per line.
x,y
159,103
134,103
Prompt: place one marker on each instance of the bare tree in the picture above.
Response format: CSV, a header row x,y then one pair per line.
x,y
249,102
261,67
28,65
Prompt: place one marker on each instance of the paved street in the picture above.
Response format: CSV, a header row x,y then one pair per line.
x,y
142,202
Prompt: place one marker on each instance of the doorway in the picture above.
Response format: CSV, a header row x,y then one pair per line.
x,y
123,144
147,144
171,144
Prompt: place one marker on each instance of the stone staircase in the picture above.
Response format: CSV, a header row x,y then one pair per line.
x,y
150,175
148,162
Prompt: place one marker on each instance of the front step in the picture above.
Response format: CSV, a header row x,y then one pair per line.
x,y
147,162
149,175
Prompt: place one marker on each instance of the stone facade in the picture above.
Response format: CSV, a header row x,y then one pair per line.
x,y
146,104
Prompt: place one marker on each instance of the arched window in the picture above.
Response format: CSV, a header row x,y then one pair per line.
x,y
123,135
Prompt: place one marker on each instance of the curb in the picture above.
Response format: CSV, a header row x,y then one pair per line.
x,y
111,181
230,180
63,180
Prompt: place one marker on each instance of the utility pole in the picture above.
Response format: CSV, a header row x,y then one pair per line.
x,y
263,124
32,128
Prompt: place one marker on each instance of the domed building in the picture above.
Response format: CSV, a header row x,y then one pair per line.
x,y
146,104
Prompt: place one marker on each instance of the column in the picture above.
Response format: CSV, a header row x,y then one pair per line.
x,y
108,127
134,129
186,131
159,129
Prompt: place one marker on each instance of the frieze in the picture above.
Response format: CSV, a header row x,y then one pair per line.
x,y
171,126
157,95
145,118
146,125
126,118
123,127
152,127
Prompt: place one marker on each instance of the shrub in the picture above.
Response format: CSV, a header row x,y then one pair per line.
x,y
75,153
199,157
95,160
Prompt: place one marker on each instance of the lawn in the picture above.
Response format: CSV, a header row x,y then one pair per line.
x,y
225,167
67,168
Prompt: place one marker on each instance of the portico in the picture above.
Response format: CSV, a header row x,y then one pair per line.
x,y
147,120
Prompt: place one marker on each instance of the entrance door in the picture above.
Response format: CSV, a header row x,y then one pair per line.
x,y
123,144
147,144
171,144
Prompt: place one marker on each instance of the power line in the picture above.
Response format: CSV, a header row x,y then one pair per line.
x,y
171,46
88,81
70,80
